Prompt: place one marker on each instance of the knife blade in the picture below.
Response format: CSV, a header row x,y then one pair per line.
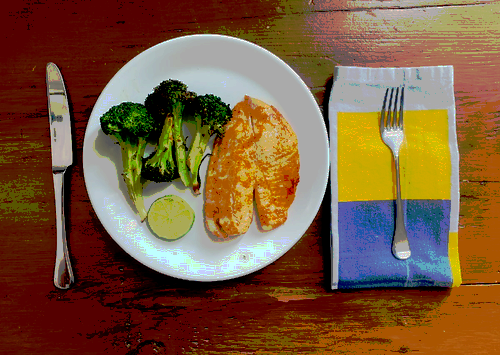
x,y
62,158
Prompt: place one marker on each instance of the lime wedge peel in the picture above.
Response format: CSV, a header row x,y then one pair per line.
x,y
170,217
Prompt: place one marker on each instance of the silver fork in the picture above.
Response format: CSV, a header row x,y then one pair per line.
x,y
392,132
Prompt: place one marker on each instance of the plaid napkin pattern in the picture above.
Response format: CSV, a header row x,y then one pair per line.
x,y
363,180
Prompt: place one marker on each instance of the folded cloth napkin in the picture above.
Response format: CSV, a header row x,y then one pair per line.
x,y
363,179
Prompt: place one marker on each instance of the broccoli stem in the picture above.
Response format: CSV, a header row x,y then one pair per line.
x,y
165,147
132,164
166,134
180,145
196,152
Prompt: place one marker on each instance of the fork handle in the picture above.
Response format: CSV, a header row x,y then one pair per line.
x,y
63,273
400,244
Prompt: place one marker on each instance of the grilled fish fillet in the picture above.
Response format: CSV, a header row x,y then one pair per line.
x,y
231,178
258,156
277,159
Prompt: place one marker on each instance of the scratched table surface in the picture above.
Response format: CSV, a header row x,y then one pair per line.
x,y
119,306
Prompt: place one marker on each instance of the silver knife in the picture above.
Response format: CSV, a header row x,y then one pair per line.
x,y
62,158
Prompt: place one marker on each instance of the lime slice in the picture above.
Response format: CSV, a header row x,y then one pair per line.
x,y
170,217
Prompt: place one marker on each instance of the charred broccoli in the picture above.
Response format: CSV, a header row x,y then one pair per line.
x,y
166,104
210,114
131,125
160,166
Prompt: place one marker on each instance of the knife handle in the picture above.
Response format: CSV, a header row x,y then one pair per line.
x,y
63,274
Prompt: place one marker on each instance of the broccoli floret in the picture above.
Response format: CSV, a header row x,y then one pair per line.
x,y
166,104
131,125
210,114
160,165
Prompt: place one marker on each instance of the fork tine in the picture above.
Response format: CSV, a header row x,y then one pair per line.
x,y
382,115
389,116
401,107
395,122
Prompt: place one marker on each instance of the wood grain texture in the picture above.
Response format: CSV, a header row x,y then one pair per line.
x,y
118,305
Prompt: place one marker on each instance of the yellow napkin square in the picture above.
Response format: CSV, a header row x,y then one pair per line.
x,y
364,164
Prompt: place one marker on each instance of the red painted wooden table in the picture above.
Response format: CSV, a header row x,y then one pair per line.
x,y
119,306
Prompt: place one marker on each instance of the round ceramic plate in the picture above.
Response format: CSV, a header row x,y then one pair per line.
x,y
230,68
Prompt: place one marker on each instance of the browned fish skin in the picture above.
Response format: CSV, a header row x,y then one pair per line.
x,y
258,154
277,156
231,179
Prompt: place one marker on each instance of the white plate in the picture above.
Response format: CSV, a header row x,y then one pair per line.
x,y
231,68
